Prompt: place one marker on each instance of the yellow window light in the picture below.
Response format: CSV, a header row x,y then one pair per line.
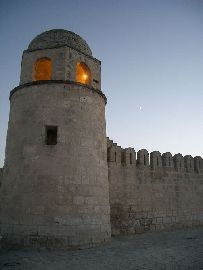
x,y
82,73
42,69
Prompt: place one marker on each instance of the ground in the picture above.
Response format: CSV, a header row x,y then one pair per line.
x,y
181,249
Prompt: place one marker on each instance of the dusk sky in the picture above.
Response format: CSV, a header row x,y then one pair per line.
x,y
152,64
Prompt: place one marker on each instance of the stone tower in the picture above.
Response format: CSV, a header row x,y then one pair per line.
x,y
55,182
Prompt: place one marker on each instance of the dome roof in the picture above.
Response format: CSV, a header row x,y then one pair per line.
x,y
59,37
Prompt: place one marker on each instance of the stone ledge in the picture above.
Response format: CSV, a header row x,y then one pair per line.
x,y
68,82
61,46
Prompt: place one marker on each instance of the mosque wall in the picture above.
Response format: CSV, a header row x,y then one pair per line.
x,y
55,185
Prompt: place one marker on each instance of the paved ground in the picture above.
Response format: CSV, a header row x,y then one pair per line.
x,y
164,250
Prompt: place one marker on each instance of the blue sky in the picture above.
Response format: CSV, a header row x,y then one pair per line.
x,y
152,64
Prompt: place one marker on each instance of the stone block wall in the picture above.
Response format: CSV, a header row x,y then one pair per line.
x,y
64,61
153,192
56,195
1,175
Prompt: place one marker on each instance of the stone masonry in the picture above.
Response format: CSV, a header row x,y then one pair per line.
x,y
82,187
57,195
163,192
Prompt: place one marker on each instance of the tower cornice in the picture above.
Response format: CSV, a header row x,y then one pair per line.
x,y
65,82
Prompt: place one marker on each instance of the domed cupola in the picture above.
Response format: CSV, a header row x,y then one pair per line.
x,y
58,38
60,55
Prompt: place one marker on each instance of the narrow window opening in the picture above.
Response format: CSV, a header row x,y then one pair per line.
x,y
108,155
96,81
169,162
144,160
115,156
131,158
51,135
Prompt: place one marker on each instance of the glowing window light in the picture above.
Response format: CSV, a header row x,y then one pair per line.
x,y
83,73
42,69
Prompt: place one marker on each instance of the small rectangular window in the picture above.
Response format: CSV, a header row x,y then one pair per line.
x,y
94,80
51,135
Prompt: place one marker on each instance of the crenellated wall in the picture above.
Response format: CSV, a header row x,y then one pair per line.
x,y
153,191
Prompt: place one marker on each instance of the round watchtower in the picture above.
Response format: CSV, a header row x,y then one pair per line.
x,y
55,185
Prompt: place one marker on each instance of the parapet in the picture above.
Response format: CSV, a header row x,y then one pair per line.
x,y
114,153
119,155
155,160
178,162
198,164
167,160
187,164
143,157
128,156
109,142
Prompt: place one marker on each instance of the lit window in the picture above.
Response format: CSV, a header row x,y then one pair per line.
x,y
83,73
42,69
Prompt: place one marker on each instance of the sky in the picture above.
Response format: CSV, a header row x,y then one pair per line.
x,y
152,64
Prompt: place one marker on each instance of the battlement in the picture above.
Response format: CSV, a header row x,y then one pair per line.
x,y
154,160
56,172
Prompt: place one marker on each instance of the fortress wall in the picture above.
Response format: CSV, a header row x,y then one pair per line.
x,y
153,192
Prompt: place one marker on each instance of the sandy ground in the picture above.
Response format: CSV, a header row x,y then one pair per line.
x,y
181,249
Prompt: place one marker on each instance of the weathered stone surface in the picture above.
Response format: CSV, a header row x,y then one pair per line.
x,y
57,196
180,249
57,38
143,157
158,197
1,175
64,60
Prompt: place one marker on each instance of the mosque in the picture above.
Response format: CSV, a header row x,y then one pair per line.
x,y
65,184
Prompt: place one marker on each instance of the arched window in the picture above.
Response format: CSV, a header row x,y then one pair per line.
x,y
83,74
42,69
